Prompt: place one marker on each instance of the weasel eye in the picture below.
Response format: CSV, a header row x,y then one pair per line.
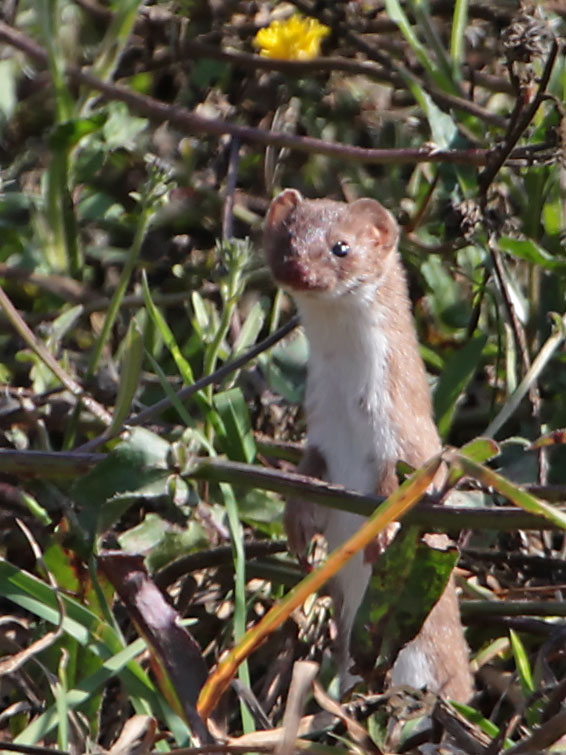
x,y
340,248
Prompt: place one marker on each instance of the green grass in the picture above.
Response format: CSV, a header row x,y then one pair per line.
x,y
130,268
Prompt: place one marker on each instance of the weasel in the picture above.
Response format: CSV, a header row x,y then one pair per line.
x,y
367,402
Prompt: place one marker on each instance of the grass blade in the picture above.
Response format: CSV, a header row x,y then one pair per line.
x,y
512,492
522,663
393,509
457,38
132,359
458,372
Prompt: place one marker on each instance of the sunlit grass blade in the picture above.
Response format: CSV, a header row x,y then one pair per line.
x,y
132,358
522,663
393,509
456,375
509,490
166,333
457,37
116,37
240,608
539,363
88,629
434,69
396,13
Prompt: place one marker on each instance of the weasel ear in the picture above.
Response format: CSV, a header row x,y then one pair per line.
x,y
381,223
280,208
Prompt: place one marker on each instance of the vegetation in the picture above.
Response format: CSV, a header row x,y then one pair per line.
x,y
150,412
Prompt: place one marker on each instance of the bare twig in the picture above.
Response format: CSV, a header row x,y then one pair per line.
x,y
516,326
542,737
220,556
529,379
190,390
499,156
49,361
30,749
231,181
51,465
190,122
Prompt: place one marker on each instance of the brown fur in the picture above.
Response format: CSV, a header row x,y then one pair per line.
x,y
299,238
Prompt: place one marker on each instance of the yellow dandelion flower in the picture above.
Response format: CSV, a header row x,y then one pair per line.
x,y
297,38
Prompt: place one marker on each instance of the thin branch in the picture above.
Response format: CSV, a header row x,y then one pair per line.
x,y
231,182
185,393
530,378
471,608
50,362
51,465
47,465
500,155
190,122
213,557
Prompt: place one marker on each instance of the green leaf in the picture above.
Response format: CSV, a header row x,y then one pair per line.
x,y
237,441
98,206
131,363
446,298
136,468
162,541
458,372
8,94
250,329
69,133
552,217
481,450
458,36
287,368
522,663
203,321
122,129
442,126
406,582
529,250
63,324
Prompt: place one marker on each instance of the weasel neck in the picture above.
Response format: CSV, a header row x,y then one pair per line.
x,y
368,400
348,399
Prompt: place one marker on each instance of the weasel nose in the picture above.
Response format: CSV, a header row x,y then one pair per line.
x,y
291,271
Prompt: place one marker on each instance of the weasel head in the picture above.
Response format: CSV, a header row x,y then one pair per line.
x,y
323,247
